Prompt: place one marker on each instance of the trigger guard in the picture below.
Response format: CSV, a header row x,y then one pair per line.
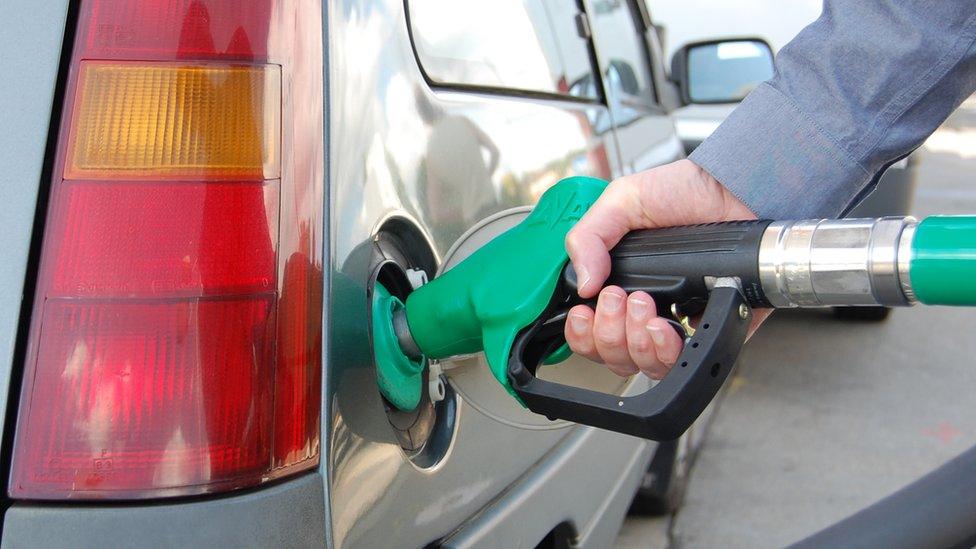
x,y
663,412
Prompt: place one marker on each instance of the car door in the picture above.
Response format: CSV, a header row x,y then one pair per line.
x,y
447,121
625,44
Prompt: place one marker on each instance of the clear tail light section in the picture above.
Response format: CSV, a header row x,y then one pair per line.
x,y
175,343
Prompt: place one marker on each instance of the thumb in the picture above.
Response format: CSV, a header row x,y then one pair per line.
x,y
589,242
591,261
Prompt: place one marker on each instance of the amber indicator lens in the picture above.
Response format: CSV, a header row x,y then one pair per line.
x,y
168,120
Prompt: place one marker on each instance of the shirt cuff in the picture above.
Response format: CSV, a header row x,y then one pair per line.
x,y
774,158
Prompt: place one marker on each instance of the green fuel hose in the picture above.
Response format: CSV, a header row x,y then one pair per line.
x,y
942,267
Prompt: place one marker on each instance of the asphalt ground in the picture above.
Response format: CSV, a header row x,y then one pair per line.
x,y
825,416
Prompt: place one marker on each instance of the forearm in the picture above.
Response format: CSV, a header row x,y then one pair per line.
x,y
862,86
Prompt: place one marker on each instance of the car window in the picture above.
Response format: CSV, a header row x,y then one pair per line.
x,y
519,45
623,52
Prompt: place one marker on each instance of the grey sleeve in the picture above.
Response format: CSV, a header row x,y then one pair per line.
x,y
862,86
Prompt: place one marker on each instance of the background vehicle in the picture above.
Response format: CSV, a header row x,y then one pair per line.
x,y
157,153
757,29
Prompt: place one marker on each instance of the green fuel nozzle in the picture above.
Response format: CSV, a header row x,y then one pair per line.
x,y
483,302
510,299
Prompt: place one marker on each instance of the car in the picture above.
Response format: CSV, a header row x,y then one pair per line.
x,y
199,197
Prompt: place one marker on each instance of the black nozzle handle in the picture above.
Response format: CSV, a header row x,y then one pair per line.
x,y
664,411
713,266
677,264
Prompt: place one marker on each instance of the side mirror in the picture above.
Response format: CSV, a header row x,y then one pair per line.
x,y
721,71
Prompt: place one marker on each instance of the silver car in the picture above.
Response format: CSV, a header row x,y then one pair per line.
x,y
198,196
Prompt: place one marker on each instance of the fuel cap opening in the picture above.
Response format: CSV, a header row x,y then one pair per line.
x,y
423,428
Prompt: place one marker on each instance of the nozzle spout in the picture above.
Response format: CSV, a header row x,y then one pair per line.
x,y
402,330
484,301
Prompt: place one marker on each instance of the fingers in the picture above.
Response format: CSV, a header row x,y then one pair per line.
x,y
589,242
586,335
579,332
640,345
591,259
609,331
653,344
625,333
667,342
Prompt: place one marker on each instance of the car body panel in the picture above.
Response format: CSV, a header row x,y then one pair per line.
x,y
647,142
290,514
526,511
29,65
396,148
696,122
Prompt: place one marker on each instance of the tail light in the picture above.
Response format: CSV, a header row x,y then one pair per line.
x,y
175,339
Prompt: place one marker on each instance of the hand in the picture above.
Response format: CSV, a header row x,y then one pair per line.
x,y
625,332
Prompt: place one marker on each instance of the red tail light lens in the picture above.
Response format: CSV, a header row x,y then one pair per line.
x,y
186,29
175,340
164,239
152,394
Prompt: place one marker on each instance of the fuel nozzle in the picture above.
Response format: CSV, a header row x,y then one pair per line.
x,y
511,297
483,302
